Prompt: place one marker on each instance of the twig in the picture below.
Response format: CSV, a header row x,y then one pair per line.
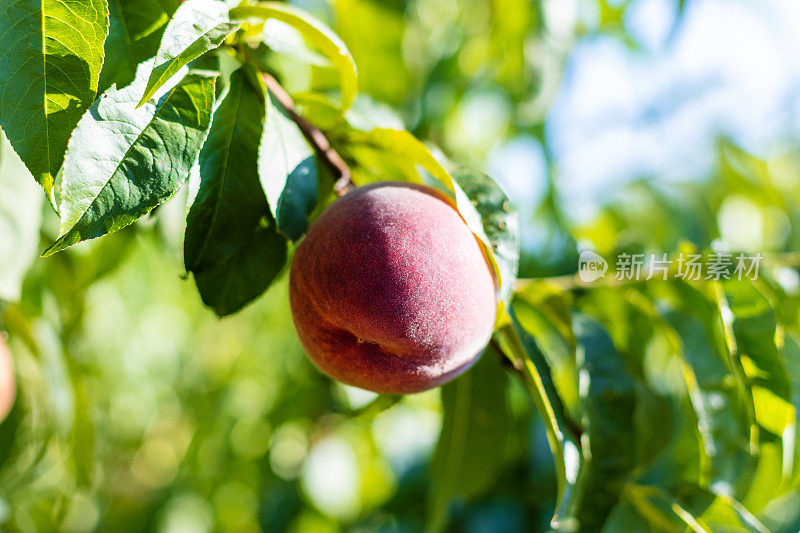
x,y
314,136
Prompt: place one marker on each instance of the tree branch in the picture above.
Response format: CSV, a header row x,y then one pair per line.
x,y
315,137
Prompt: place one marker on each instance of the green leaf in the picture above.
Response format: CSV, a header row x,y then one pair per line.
x,y
756,340
287,167
542,309
532,368
230,246
318,34
691,508
755,326
722,421
20,220
718,512
654,508
471,446
51,52
608,395
135,31
125,160
232,284
500,223
197,27
285,40
229,203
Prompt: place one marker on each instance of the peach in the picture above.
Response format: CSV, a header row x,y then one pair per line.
x,y
390,290
8,388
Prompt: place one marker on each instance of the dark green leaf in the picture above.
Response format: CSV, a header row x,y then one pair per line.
x,y
135,31
125,160
230,285
532,367
608,401
722,417
474,432
288,169
51,52
229,201
646,508
197,27
500,223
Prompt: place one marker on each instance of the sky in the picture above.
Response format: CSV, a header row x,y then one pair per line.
x,y
728,67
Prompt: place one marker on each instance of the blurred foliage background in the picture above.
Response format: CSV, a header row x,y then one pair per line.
x,y
616,125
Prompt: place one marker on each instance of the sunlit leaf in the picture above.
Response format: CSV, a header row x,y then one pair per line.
x,y
754,326
543,311
197,27
287,167
718,511
723,420
51,52
135,31
125,160
317,34
376,34
655,508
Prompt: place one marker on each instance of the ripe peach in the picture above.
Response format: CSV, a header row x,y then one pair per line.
x,y
390,290
8,388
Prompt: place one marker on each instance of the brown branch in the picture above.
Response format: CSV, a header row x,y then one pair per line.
x,y
314,135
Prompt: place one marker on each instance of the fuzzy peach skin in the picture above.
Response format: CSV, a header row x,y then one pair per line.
x,y
390,290
8,387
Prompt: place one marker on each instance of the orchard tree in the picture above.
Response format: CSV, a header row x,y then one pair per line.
x,y
667,404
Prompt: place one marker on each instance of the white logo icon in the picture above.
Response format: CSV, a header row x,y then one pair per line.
x,y
591,266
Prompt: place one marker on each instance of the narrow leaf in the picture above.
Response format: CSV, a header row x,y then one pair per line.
x,y
719,511
656,508
287,167
229,201
135,31
318,34
532,367
51,52
474,432
197,27
721,420
608,398
754,325
123,161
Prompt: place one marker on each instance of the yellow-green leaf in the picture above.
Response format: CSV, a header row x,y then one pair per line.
x,y
197,27
317,33
51,53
